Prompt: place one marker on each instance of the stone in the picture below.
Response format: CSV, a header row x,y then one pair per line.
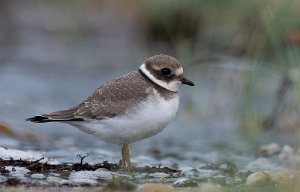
x,y
258,179
185,182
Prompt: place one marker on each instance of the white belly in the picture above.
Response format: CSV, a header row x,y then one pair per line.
x,y
145,120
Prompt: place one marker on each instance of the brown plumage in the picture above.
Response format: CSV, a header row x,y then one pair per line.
x,y
118,95
109,100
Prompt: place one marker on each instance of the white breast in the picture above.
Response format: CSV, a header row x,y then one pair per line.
x,y
145,120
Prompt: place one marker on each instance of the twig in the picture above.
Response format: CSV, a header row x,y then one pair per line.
x,y
35,162
82,157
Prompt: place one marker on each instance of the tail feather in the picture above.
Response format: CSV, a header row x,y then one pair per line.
x,y
43,119
38,119
58,116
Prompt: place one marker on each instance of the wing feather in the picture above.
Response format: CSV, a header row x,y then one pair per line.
x,y
109,100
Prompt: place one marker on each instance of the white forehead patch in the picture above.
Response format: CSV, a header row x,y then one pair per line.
x,y
171,86
179,71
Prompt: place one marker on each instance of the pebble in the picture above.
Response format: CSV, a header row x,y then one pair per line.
x,y
159,175
286,153
184,182
258,179
266,177
156,187
56,180
90,176
38,176
270,149
17,172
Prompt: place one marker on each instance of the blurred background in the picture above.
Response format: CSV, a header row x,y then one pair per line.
x,y
242,55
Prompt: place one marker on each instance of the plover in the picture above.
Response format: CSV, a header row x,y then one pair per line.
x,y
127,109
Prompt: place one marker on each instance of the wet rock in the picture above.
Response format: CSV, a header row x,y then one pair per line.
x,y
83,182
18,172
159,175
156,187
209,187
270,149
54,174
262,178
258,179
38,176
3,171
185,182
56,180
18,154
227,168
261,164
287,153
90,177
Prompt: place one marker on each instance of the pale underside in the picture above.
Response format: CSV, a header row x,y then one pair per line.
x,y
146,119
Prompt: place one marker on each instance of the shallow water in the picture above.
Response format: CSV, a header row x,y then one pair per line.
x,y
53,65
203,149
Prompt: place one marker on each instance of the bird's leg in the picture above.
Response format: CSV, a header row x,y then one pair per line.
x,y
123,161
126,158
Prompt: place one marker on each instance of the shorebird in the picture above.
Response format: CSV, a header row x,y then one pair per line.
x,y
129,108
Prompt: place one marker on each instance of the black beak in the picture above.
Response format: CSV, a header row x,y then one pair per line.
x,y
186,81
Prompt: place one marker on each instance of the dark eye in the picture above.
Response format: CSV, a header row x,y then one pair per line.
x,y
165,71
